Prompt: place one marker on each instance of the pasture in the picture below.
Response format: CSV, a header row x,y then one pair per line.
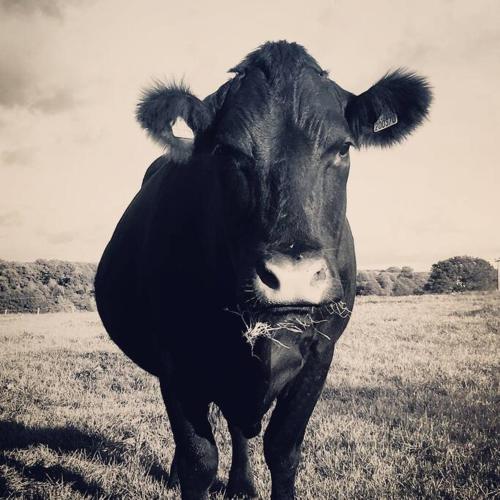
x,y
410,409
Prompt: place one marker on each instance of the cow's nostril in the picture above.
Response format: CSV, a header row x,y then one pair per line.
x,y
267,277
319,276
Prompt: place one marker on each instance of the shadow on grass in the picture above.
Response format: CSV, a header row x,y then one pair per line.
x,y
158,473
449,441
16,436
405,407
415,397
53,473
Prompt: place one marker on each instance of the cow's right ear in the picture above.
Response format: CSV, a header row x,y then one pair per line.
x,y
161,106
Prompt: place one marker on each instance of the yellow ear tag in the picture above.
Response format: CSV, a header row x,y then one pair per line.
x,y
385,120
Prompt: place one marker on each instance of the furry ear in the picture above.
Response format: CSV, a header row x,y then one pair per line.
x,y
161,106
390,110
215,101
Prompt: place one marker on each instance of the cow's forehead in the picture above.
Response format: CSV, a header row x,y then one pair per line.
x,y
259,112
278,89
272,57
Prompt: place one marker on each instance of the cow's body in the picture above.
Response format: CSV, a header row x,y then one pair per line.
x,y
215,240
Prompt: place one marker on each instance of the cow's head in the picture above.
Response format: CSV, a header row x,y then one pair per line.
x,y
278,135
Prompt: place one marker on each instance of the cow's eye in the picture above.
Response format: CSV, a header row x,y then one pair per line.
x,y
344,149
237,156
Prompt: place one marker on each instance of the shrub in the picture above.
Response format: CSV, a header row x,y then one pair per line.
x,y
460,274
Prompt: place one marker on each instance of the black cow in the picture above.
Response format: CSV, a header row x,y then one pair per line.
x,y
232,271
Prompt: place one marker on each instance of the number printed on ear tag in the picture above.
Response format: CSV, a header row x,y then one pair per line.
x,y
385,120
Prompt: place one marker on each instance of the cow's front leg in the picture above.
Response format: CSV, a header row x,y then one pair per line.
x,y
196,456
285,432
240,482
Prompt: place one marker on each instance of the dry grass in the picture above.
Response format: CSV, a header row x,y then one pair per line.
x,y
256,329
409,409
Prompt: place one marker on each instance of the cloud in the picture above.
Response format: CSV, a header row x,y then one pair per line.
x,y
60,237
50,8
55,102
11,218
20,156
19,88
54,9
16,82
27,58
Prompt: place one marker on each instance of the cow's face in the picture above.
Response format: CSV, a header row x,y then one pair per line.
x,y
278,137
281,148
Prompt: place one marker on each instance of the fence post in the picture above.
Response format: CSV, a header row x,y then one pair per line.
x,y
38,311
498,274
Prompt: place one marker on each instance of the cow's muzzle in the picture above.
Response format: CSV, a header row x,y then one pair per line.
x,y
285,282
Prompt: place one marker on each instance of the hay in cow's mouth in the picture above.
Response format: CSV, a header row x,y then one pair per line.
x,y
255,328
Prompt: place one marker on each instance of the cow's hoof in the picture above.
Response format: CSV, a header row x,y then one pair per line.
x,y
241,489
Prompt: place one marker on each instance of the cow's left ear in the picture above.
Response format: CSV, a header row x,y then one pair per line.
x,y
159,109
390,110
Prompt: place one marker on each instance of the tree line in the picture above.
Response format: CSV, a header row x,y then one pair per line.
x,y
391,281
54,285
47,286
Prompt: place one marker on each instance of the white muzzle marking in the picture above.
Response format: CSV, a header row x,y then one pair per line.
x,y
285,280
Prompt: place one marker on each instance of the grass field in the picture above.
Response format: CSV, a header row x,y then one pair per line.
x,y
410,409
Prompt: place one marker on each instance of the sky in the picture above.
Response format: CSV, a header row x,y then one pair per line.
x,y
72,156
